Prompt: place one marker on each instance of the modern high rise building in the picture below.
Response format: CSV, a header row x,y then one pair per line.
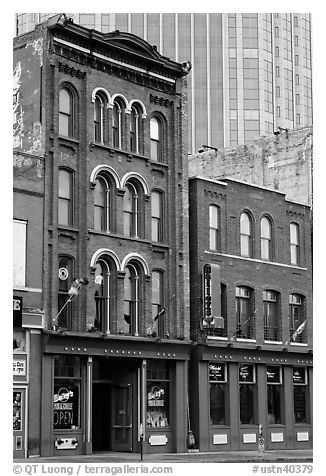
x,y
251,72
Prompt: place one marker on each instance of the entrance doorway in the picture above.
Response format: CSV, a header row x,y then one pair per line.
x,y
114,404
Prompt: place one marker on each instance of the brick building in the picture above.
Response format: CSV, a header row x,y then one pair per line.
x,y
251,317
100,151
282,161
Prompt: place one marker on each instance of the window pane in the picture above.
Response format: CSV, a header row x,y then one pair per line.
x,y
300,404
63,211
274,404
154,129
64,125
64,184
64,101
244,243
246,404
217,404
19,253
265,227
245,224
213,216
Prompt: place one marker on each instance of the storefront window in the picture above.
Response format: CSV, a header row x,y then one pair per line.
x,y
17,411
158,385
274,395
66,393
217,393
300,395
247,392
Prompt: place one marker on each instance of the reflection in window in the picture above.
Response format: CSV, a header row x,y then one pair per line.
x,y
102,199
245,313
130,323
294,243
266,239
66,278
297,318
245,235
158,394
156,139
67,389
65,113
157,304
117,124
271,327
102,297
247,415
65,198
135,130
130,211
157,216
214,218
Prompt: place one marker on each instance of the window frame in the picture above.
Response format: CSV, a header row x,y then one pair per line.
x,y
156,140
214,227
241,299
266,240
19,251
99,123
106,207
134,214
135,129
248,236
157,221
117,123
270,296
69,199
294,244
297,304
65,319
133,303
67,116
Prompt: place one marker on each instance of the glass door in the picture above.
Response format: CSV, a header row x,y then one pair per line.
x,y
122,417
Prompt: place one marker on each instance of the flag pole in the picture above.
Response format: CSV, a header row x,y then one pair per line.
x,y
73,291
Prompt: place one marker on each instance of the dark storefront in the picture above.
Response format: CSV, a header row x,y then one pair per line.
x,y
101,395
242,389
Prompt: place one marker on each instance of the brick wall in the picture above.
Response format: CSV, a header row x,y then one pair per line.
x,y
281,162
234,197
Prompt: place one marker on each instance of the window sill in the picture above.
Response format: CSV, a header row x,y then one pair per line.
x,y
73,229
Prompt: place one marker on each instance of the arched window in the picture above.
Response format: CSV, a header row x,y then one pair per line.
x,y
135,130
245,235
102,204
156,139
65,278
66,113
102,297
99,115
245,313
297,317
266,239
131,211
294,243
158,313
117,124
214,228
157,216
130,324
272,328
65,198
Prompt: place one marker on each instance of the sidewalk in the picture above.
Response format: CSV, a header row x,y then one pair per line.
x,y
301,456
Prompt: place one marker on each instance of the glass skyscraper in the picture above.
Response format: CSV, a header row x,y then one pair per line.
x,y
251,72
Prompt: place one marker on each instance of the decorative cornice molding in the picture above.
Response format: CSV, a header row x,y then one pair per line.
x,y
65,68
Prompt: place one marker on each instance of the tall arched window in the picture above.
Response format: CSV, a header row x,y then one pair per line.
x,y
117,124
156,139
294,243
65,278
272,329
130,324
102,297
99,115
266,239
245,312
245,235
65,198
157,304
157,216
214,228
135,130
130,211
297,317
66,113
102,204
